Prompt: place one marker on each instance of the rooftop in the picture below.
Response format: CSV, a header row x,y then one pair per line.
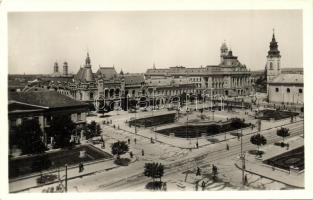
x,y
48,99
289,78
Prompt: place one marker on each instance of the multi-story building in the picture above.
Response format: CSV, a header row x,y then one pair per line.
x,y
43,106
229,78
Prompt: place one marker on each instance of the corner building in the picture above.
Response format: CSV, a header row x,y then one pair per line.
x,y
228,78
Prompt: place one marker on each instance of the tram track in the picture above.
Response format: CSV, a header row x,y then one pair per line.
x,y
202,160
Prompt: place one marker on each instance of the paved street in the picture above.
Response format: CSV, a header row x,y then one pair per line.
x,y
177,160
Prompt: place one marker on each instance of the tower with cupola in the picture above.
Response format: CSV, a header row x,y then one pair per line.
x,y
224,51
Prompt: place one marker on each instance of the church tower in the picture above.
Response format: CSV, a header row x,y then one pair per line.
x,y
273,60
224,51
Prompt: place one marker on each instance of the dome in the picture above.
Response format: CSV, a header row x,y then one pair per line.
x,y
224,46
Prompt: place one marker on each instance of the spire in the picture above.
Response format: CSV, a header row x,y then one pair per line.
x,y
87,61
121,72
153,65
273,52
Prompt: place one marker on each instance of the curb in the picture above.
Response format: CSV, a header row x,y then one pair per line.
x,y
251,172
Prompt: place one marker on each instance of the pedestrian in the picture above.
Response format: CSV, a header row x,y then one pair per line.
x,y
246,179
197,185
128,141
131,154
142,152
198,172
238,136
227,147
82,167
203,185
164,186
151,140
197,145
135,140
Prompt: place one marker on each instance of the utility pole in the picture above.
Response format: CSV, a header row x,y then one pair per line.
x,y
242,156
65,177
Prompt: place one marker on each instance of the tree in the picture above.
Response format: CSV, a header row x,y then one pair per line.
x,y
28,137
154,170
258,140
236,123
93,129
119,148
61,128
283,132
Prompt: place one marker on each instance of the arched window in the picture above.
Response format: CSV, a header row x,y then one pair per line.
x,y
271,65
277,89
288,90
278,65
91,96
300,91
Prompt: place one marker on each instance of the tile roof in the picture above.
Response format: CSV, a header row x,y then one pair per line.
x,y
289,78
50,99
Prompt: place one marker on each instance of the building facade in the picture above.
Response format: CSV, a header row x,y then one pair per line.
x,y
228,78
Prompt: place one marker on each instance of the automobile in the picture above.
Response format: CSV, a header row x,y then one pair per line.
x,y
143,109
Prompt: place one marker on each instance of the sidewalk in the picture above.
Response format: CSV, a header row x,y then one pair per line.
x,y
72,172
255,166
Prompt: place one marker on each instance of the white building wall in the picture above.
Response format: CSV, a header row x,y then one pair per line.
x,y
282,96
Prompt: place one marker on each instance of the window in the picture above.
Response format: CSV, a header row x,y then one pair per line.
x,y
91,96
300,91
288,90
277,89
271,65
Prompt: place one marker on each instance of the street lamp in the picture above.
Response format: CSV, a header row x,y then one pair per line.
x,y
242,157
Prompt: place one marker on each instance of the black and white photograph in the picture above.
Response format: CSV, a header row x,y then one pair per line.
x,y
156,101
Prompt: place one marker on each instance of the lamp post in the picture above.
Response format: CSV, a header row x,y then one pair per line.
x,y
65,177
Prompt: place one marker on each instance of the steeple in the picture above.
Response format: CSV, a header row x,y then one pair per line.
x,y
273,52
153,65
87,61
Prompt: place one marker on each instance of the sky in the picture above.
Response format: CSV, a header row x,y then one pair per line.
x,y
134,40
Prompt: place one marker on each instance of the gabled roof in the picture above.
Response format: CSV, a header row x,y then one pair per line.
x,y
48,99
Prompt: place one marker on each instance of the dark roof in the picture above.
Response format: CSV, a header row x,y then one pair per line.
x,y
49,99
133,79
106,72
84,75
